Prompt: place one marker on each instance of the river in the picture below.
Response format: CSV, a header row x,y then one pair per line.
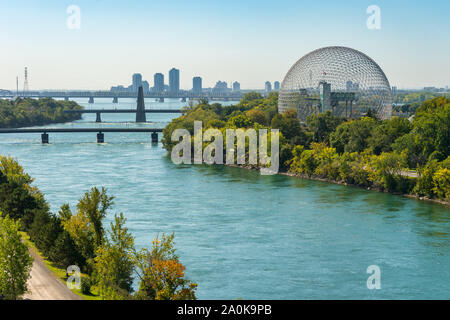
x,y
240,234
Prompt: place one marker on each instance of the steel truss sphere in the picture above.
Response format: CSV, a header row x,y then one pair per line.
x,y
338,79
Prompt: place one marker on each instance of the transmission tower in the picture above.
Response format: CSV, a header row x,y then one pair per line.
x,y
25,82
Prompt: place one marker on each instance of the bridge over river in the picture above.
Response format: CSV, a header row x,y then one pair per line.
x,y
100,132
100,111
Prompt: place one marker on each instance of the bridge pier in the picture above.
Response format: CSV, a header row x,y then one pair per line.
x,y
161,99
91,99
115,100
98,117
154,137
66,98
100,137
140,109
44,137
183,99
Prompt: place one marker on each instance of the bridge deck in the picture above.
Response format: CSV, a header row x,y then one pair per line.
x,y
47,130
123,111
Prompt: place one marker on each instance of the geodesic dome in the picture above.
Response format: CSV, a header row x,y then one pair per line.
x,y
342,80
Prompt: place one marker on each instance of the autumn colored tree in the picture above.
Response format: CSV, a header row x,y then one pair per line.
x,y
162,274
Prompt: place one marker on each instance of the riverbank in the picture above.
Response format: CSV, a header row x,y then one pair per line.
x,y
412,196
305,176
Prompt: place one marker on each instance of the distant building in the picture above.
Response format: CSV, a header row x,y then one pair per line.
x,y
268,86
352,86
221,86
325,95
136,81
276,86
174,80
236,86
145,86
197,84
158,79
394,90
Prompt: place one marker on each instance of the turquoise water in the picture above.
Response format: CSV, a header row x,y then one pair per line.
x,y
243,235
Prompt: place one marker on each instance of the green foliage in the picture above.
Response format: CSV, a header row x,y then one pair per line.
x,y
15,260
386,133
322,125
441,183
25,112
430,135
86,285
94,205
386,170
353,136
113,264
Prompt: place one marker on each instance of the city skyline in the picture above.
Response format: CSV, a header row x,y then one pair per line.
x,y
263,42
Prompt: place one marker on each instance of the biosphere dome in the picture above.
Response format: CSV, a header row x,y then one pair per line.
x,y
342,80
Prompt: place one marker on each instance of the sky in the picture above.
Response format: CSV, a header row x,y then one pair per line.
x,y
246,41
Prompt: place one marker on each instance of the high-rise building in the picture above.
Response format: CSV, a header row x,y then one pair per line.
x,y
158,79
268,86
236,86
197,84
394,90
174,80
145,86
136,82
276,85
325,95
221,86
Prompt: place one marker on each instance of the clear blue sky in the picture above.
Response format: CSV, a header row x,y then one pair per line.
x,y
248,41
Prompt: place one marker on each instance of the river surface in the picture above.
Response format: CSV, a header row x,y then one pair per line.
x,y
240,234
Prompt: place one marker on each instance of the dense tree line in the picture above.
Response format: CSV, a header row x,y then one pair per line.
x,y
26,112
107,256
396,155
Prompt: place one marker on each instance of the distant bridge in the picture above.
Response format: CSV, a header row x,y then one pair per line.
x,y
100,111
91,95
100,132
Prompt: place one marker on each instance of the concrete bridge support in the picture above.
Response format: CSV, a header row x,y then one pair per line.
x,y
140,110
98,117
100,137
154,137
161,99
115,100
44,137
66,98
91,99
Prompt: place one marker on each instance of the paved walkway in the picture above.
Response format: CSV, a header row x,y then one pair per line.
x,y
43,285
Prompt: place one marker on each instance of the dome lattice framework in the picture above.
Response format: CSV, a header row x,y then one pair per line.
x,y
342,80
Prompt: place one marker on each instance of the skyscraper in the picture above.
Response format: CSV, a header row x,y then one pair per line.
x,y
145,86
197,84
136,82
268,86
276,86
174,80
236,86
158,82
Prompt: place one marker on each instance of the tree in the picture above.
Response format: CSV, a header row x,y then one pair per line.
x,y
161,273
385,134
257,115
94,204
353,136
15,260
114,263
322,125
